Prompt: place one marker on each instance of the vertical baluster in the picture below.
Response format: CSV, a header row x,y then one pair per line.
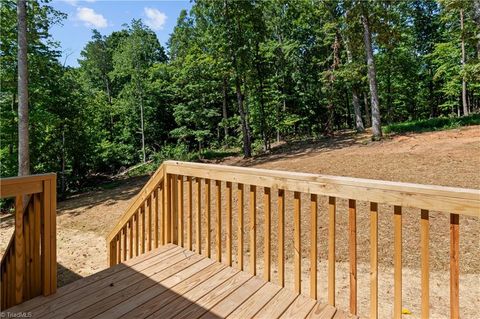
x,y
174,218
137,238
424,248
397,262
454,265
189,212
313,245
267,229
156,214
167,209
331,250
19,250
148,210
53,234
142,232
240,226
118,247
45,243
26,236
229,224
373,260
297,242
253,230
352,223
113,253
124,247
207,216
180,209
130,238
281,237
163,214
218,186
198,240
36,243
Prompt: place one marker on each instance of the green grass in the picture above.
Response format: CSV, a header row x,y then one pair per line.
x,y
435,124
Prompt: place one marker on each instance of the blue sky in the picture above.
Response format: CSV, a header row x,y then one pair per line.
x,y
108,16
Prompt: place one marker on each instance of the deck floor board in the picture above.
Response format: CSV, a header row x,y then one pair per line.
x,y
171,282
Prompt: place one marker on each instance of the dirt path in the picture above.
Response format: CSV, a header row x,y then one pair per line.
x,y
450,158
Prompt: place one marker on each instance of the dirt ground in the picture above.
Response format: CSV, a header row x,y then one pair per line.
x,y
449,158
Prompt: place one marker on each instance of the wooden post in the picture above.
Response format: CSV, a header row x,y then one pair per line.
x,y
253,230
313,245
229,224
331,250
424,250
240,226
352,213
180,209
218,186
397,262
373,260
281,237
297,257
189,212
207,216
454,266
198,240
267,230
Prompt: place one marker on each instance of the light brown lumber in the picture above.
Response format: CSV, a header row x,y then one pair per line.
x,y
299,308
297,256
313,245
256,302
373,260
277,305
208,204
322,311
267,231
454,265
240,198
425,271
189,213
229,224
232,301
281,237
230,287
331,250
218,237
253,229
352,248
198,224
180,210
397,262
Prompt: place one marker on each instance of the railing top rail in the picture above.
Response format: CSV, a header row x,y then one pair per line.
x,y
23,185
431,197
135,204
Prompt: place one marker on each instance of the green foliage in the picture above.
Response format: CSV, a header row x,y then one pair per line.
x,y
434,124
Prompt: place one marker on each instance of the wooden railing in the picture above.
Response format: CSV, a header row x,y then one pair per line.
x,y
178,201
29,265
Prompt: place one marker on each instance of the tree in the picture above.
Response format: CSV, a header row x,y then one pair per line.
x,y
23,137
372,75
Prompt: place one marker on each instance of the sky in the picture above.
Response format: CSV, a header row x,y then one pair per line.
x,y
107,16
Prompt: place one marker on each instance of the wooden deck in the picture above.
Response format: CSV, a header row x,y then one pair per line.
x,y
171,282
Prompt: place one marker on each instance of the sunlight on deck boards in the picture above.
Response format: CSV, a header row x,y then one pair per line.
x,y
172,282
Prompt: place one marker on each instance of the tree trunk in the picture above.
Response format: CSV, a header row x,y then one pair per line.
x,y
367,111
247,147
358,113
23,138
464,83
356,104
142,128
372,79
224,110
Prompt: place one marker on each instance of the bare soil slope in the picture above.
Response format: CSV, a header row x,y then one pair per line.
x,y
450,158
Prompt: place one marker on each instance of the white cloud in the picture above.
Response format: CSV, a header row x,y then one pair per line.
x,y
90,18
75,2
155,18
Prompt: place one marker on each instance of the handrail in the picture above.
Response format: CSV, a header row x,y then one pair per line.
x,y
29,266
136,210
180,195
439,198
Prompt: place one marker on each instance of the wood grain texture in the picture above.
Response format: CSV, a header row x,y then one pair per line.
x,y
331,250
218,211
266,236
208,204
352,249
228,243
253,229
397,262
240,199
281,237
373,260
424,263
297,256
313,245
454,265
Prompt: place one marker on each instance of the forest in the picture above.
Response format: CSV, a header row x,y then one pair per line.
x,y
235,75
